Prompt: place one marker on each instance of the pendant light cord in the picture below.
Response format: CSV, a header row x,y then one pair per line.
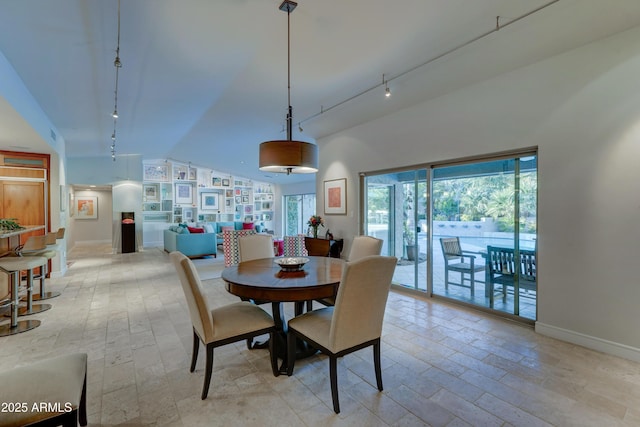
x,y
290,109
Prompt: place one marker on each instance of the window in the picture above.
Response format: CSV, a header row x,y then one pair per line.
x,y
297,210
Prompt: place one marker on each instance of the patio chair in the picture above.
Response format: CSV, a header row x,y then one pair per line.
x,y
459,261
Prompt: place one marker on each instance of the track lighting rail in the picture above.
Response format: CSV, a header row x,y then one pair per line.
x,y
385,82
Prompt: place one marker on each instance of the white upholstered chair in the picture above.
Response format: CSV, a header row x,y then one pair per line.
x,y
220,326
231,247
255,246
363,246
355,322
59,380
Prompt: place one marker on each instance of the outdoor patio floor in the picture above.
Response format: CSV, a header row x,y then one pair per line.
x,y
404,276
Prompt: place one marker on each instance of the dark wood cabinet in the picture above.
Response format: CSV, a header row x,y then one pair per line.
x,y
323,247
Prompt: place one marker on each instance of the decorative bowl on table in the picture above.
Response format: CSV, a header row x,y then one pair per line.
x,y
291,263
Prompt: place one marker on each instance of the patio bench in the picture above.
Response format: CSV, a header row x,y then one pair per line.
x,y
501,270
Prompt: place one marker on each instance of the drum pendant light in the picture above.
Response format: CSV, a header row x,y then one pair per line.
x,y
288,156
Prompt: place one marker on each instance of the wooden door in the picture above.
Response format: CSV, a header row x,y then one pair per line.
x,y
23,200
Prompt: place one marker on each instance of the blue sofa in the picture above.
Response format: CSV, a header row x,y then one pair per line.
x,y
191,245
217,227
197,244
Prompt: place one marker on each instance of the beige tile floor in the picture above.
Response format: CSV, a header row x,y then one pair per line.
x,y
442,365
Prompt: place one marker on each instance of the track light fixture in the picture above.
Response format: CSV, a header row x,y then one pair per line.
x,y
387,91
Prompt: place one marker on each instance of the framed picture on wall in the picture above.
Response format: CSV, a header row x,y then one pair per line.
x,y
193,174
209,202
184,194
335,197
150,193
87,207
156,172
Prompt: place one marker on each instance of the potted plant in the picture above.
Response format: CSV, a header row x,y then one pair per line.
x,y
314,222
9,224
410,242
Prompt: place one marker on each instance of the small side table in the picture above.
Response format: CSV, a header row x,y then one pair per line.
x,y
323,247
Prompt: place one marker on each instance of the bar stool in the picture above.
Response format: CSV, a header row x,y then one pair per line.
x,y
13,266
49,251
36,246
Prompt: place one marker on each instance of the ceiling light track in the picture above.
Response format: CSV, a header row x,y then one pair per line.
x,y
117,64
385,82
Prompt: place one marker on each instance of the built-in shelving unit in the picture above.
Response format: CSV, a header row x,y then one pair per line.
x,y
178,193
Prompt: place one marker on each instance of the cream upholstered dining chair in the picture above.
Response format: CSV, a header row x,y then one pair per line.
x,y
219,326
231,247
363,246
255,246
355,322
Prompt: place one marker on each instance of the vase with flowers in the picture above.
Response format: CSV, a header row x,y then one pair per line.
x,y
314,222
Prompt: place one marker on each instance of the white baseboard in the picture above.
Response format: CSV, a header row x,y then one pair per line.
x,y
594,343
92,242
60,273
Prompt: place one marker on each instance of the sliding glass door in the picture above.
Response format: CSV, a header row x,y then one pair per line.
x,y
396,213
478,207
465,231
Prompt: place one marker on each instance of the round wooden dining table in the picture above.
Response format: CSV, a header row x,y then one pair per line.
x,y
262,281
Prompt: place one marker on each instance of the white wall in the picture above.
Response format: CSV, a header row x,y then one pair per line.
x,y
125,177
94,230
582,110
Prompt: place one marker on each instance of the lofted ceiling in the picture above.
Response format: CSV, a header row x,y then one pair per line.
x,y
205,81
